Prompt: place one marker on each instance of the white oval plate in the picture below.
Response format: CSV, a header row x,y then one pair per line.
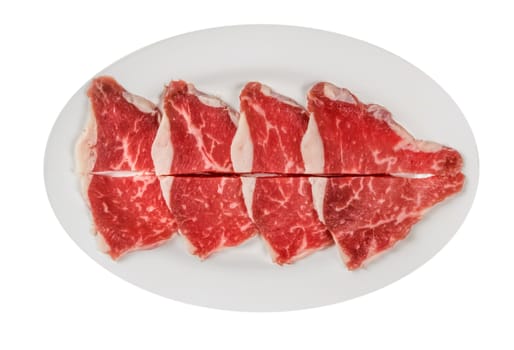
x,y
289,59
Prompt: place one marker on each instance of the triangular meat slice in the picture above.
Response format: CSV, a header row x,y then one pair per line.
x,y
270,131
129,213
120,130
194,137
369,214
346,136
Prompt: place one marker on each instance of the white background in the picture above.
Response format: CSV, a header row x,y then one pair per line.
x,y
53,295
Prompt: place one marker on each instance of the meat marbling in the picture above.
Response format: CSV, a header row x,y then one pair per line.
x,y
346,136
129,213
116,170
369,214
119,132
269,134
194,138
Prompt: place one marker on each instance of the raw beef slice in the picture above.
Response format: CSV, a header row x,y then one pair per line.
x,y
346,136
119,132
195,133
129,213
284,214
269,133
369,214
211,213
194,138
268,140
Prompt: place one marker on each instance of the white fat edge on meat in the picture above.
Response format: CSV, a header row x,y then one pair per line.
x,y
318,188
248,187
341,252
305,252
162,147
241,149
101,243
103,247
241,154
267,91
165,183
213,101
338,94
85,153
370,258
273,254
141,103
312,149
191,248
314,161
408,142
411,176
234,116
85,180
162,154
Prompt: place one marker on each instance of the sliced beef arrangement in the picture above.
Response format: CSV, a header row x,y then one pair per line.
x,y
339,171
210,211
281,207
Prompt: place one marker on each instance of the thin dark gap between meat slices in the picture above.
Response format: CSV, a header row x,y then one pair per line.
x,y
256,175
